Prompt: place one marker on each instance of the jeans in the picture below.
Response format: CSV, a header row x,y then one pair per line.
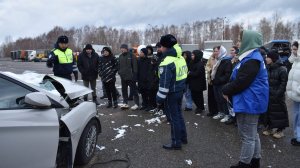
x,y
247,127
188,98
86,83
296,117
173,111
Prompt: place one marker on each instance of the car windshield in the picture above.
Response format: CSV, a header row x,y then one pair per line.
x,y
36,80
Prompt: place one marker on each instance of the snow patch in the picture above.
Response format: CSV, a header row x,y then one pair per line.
x,y
153,120
100,147
121,132
137,125
113,122
189,162
132,115
150,130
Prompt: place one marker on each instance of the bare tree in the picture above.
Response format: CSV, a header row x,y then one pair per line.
x,y
265,29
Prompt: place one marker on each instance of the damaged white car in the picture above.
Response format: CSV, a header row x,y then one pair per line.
x,y
43,123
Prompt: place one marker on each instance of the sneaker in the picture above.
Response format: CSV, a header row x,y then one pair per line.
x,y
124,106
135,107
268,132
218,116
150,109
231,120
225,119
278,135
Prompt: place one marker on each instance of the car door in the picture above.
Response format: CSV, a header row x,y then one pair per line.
x,y
28,136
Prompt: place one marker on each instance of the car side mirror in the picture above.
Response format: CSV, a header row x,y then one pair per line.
x,y
37,99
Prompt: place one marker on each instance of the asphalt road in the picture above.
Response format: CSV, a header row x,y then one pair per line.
x,y
211,144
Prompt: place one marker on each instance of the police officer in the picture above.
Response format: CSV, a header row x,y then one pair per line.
x,y
62,60
173,73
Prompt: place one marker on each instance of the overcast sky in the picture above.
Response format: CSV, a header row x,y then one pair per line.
x,y
30,18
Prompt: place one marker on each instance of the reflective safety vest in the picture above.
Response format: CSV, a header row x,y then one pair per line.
x,y
64,57
180,64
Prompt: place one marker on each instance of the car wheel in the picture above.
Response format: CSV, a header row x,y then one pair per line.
x,y
87,143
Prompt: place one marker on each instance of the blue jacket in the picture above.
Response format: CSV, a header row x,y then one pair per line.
x,y
171,80
254,99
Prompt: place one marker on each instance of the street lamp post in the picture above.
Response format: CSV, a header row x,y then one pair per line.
x,y
223,31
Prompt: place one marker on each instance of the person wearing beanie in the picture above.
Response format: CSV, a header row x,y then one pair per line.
x,y
61,59
292,90
127,70
108,67
197,80
88,67
276,118
172,83
249,89
143,76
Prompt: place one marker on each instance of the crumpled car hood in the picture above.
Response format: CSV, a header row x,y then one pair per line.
x,y
62,86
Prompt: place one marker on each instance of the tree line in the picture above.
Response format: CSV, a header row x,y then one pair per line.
x,y
188,33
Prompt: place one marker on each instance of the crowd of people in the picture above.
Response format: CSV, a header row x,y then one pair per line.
x,y
245,86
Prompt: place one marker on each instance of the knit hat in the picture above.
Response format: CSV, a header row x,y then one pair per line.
x,y
158,45
107,49
62,39
168,41
145,51
124,46
88,47
273,55
149,47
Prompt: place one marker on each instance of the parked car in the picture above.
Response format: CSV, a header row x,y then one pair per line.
x,y
43,123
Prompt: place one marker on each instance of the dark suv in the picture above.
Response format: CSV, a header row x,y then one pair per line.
x,y
283,48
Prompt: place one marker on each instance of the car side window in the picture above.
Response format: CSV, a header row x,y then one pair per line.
x,y
11,94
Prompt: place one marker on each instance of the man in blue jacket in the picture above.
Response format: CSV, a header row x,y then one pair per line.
x,y
249,89
173,73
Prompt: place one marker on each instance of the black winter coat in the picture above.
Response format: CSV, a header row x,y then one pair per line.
x,y
108,67
145,74
277,114
223,72
88,66
196,77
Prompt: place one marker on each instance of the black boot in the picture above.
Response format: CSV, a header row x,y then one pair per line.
x,y
95,101
241,165
109,105
255,163
115,104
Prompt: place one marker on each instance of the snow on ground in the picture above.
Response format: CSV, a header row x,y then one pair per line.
x,y
153,120
189,162
121,132
100,147
150,130
132,115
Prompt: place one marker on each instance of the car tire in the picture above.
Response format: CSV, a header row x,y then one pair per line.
x,y
87,143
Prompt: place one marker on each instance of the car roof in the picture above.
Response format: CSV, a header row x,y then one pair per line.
x,y
279,41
